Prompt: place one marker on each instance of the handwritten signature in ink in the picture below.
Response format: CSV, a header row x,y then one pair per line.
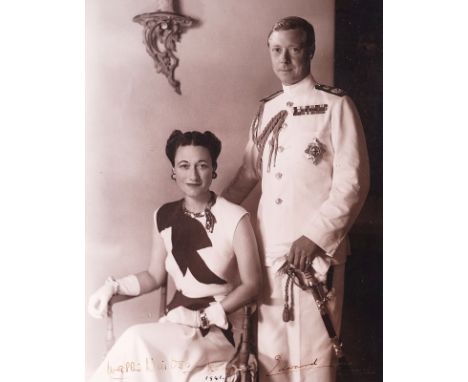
x,y
281,367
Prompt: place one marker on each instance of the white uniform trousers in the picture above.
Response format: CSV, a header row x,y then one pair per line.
x,y
298,350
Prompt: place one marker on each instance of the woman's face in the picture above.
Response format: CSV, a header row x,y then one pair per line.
x,y
193,170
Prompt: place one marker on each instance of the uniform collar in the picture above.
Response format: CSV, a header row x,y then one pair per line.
x,y
299,87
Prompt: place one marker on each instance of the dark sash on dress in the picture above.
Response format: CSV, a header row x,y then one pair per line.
x,y
188,236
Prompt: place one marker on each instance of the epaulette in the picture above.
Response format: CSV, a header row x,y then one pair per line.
x,y
330,89
271,96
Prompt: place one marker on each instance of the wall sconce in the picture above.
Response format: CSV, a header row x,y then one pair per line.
x,y
162,30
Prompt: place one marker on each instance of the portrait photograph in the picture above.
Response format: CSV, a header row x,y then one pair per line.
x,y
238,191
155,67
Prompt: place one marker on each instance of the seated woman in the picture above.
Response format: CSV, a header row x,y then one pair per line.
x,y
207,245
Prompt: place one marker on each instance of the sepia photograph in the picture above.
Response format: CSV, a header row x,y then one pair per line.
x,y
192,191
233,191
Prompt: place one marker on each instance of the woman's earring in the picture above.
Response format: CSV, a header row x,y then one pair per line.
x,y
173,175
214,175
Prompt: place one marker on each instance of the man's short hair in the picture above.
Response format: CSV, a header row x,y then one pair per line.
x,y
294,22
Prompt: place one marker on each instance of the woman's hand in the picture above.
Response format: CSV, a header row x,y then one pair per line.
x,y
126,286
216,315
97,305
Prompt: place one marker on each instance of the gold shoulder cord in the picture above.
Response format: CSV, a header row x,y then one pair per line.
x,y
273,127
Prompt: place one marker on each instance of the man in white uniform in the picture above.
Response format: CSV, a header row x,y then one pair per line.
x,y
307,146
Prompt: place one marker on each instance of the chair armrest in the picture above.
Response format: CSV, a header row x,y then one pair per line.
x,y
119,298
242,367
110,338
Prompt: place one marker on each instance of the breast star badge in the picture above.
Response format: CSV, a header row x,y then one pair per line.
x,y
314,151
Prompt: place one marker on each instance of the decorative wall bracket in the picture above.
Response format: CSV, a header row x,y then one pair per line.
x,y
162,30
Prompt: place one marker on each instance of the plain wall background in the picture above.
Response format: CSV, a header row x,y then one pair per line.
x,y
224,70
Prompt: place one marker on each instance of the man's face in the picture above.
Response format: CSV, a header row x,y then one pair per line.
x,y
289,55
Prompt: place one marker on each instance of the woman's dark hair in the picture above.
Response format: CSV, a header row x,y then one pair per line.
x,y
294,22
193,138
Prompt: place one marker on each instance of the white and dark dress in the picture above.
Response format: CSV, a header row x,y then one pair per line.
x,y
204,269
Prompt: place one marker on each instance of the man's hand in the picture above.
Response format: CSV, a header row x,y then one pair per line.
x,y
302,252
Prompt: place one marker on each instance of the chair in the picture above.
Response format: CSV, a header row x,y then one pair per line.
x,y
242,367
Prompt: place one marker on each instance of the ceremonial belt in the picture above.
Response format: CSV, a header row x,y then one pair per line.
x,y
307,281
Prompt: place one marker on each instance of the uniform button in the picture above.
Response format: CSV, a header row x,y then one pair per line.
x,y
289,103
279,201
280,149
278,175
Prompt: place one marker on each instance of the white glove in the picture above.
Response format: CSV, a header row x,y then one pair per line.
x,y
97,305
183,316
128,286
216,315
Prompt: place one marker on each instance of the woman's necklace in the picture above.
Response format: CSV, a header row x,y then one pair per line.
x,y
210,218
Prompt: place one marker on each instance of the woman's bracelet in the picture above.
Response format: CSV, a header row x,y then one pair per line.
x,y
114,284
204,323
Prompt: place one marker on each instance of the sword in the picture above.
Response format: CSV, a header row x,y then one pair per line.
x,y
308,281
